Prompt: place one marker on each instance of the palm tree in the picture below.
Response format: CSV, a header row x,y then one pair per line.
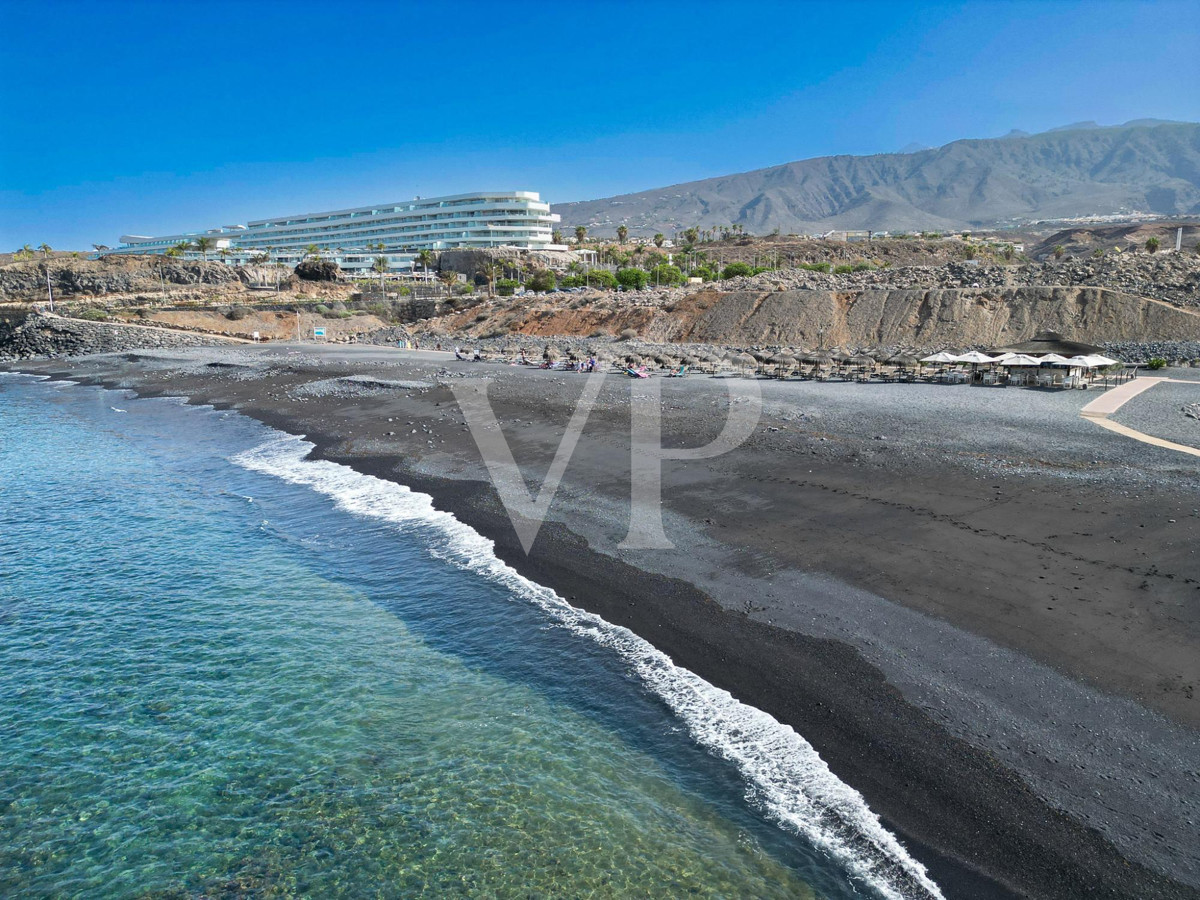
x,y
1059,251
691,235
223,253
658,240
181,248
492,271
380,266
46,248
556,236
204,244
622,233
580,233
312,250
425,257
1151,245
449,279
173,252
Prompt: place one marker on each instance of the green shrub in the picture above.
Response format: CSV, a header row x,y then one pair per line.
x,y
1156,362
237,313
632,279
843,269
541,280
92,314
815,267
667,274
734,270
600,278
506,287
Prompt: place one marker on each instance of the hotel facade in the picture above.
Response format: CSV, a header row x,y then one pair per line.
x,y
351,237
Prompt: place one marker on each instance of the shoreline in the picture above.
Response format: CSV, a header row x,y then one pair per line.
x,y
977,826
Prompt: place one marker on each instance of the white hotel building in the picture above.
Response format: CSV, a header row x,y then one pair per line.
x,y
351,237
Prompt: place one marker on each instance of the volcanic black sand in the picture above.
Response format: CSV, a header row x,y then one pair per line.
x,y
981,609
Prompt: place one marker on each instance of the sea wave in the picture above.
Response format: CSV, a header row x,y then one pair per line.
x,y
785,776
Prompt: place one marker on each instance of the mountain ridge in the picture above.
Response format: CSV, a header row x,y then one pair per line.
x,y
1080,170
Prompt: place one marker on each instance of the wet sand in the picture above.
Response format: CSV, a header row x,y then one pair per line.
x,y
983,610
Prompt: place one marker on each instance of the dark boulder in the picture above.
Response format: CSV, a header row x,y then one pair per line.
x,y
318,270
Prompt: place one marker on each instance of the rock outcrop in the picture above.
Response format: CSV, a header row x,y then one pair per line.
x,y
471,262
318,270
49,336
108,275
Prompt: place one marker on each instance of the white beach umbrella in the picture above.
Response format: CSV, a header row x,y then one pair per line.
x,y
1096,361
940,357
1021,359
975,358
1055,359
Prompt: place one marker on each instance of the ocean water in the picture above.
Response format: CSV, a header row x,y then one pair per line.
x,y
229,671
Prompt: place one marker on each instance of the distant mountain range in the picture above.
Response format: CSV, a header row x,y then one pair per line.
x,y
1142,167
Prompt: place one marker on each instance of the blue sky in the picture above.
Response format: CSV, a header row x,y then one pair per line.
x,y
158,117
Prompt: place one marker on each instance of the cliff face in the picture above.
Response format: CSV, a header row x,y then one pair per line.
x,y
922,318
876,317
26,281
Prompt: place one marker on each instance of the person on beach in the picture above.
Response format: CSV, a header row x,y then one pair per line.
x,y
458,353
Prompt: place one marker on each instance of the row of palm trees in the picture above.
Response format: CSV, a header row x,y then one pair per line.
x,y
26,252
691,235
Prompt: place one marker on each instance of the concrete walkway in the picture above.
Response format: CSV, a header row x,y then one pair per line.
x,y
1102,407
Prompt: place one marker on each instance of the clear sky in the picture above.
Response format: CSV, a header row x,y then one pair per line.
x,y
159,117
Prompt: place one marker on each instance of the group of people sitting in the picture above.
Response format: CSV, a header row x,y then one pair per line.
x,y
580,365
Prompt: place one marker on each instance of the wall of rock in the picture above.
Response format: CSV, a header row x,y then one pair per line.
x,y
109,275
920,318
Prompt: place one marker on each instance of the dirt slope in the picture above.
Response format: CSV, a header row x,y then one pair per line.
x,y
920,318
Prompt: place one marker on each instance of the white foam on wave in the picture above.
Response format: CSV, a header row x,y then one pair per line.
x,y
786,777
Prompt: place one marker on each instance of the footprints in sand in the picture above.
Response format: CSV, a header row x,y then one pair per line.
x,y
946,519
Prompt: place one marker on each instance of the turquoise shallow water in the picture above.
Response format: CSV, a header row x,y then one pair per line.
x,y
217,683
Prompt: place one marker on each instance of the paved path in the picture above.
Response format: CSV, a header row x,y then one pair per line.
x,y
1102,407
1110,401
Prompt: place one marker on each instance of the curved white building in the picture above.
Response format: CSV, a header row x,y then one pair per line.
x,y
351,237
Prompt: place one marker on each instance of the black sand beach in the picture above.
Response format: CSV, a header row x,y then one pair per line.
x,y
981,609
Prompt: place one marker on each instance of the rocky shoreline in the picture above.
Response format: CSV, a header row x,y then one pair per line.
x,y
43,336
